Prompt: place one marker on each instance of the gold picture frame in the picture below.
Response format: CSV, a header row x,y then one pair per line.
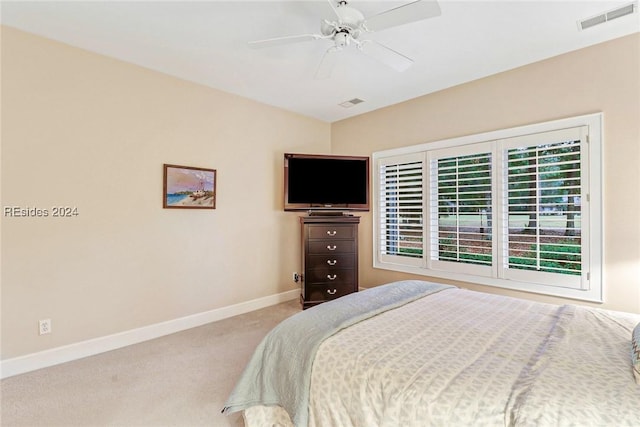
x,y
187,187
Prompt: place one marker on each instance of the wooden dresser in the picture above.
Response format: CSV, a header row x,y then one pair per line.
x,y
329,258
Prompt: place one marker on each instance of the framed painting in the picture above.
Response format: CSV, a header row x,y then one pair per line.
x,y
187,187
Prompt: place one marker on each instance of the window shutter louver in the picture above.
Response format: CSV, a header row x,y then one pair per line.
x,y
543,201
401,225
461,201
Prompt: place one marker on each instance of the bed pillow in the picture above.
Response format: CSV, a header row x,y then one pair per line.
x,y
635,352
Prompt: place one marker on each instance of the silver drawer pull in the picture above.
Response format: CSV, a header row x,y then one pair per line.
x,y
331,233
331,247
332,292
332,262
331,276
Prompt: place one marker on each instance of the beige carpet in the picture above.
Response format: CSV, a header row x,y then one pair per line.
x,y
178,380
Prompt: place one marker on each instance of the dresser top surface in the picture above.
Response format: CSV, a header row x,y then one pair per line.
x,y
318,219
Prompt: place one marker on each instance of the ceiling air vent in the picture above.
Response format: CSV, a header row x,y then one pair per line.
x,y
350,103
607,16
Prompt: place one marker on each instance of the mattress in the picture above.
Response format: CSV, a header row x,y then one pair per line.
x,y
459,358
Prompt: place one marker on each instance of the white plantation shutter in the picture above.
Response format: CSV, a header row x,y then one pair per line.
x,y
542,205
400,206
517,208
460,206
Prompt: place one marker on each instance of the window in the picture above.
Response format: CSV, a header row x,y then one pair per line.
x,y
517,208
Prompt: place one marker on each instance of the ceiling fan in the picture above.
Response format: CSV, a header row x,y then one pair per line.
x,y
348,27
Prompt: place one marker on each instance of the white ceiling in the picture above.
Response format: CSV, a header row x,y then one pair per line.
x,y
206,42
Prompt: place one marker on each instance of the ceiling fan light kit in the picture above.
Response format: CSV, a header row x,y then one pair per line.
x,y
351,24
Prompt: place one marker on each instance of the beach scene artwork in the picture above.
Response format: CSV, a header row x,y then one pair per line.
x,y
189,187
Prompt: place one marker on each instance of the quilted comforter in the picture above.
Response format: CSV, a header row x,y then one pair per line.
x,y
462,358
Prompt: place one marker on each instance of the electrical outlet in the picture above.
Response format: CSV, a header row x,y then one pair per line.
x,y
295,277
45,326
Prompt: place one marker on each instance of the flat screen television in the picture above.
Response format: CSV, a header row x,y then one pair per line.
x,y
315,182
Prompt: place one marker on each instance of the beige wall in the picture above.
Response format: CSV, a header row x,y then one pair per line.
x,y
603,78
82,130
79,129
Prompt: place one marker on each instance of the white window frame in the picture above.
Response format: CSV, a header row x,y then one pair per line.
x,y
592,208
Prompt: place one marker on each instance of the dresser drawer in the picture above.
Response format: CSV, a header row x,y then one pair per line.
x,y
327,292
331,231
336,276
334,260
317,247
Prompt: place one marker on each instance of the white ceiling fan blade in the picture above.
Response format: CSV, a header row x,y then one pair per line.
x,y
277,41
334,8
386,55
327,63
411,12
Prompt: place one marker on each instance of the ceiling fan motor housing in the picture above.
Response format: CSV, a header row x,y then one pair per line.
x,y
342,38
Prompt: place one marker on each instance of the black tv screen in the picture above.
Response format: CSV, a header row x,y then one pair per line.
x,y
325,182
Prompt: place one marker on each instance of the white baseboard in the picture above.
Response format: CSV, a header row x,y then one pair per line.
x,y
67,353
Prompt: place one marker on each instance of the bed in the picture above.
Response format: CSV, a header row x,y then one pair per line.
x,y
416,353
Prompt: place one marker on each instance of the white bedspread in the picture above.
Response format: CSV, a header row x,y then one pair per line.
x,y
463,358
